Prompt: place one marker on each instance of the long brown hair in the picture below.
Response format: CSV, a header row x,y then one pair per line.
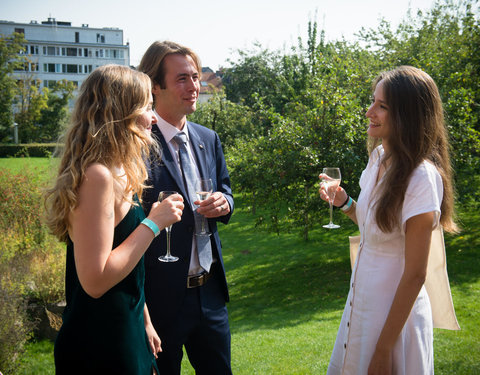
x,y
103,130
418,133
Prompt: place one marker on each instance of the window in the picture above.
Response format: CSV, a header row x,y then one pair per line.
x,y
49,83
87,68
77,37
85,52
20,30
50,51
99,53
49,68
100,38
116,54
33,50
72,52
71,68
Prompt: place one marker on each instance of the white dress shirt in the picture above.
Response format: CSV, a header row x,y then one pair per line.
x,y
169,132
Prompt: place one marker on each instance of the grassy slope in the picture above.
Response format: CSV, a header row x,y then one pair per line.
x,y
287,297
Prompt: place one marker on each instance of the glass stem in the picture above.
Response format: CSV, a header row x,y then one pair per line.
x,y
168,240
331,211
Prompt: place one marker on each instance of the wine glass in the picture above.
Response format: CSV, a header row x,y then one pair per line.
x,y
203,189
167,257
331,178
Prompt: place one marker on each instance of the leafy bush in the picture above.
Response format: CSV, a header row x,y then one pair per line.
x,y
15,328
32,262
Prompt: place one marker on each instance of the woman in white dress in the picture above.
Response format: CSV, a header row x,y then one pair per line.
x,y
406,193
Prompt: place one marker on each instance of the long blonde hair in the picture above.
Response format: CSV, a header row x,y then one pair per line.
x,y
103,130
418,133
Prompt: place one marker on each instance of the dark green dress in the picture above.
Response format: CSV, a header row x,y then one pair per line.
x,y
105,335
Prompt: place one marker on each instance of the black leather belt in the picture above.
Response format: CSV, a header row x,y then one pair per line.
x,y
198,280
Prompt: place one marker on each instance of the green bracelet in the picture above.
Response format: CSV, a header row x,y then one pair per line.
x,y
149,223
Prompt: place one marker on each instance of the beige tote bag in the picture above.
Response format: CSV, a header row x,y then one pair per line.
x,y
437,284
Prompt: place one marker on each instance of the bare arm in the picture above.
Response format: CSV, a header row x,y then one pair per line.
x,y
352,212
99,267
153,339
417,245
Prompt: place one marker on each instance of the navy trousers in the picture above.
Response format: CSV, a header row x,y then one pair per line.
x,y
202,327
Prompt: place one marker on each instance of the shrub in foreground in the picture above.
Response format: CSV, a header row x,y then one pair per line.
x,y
32,262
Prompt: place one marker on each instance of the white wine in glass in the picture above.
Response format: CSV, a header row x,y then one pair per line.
x,y
331,179
168,257
203,189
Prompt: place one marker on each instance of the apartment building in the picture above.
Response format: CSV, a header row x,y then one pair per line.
x,y
57,50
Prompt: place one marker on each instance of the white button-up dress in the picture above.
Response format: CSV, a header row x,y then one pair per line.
x,y
375,277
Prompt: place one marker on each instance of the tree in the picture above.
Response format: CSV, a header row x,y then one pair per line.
x,y
11,57
317,120
30,100
257,74
42,112
287,115
54,117
445,42
230,120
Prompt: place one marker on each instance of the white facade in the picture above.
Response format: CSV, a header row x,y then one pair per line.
x,y
56,50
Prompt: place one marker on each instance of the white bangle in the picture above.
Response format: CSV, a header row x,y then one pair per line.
x,y
347,205
150,224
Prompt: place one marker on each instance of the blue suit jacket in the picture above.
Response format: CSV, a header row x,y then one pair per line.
x,y
165,283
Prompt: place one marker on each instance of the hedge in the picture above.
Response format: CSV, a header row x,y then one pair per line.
x,y
27,150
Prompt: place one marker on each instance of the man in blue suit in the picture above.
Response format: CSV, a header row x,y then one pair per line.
x,y
186,299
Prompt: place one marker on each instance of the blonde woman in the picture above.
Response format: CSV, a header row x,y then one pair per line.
x,y
94,207
406,196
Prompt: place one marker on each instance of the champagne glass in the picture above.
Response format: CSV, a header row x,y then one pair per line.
x,y
331,181
203,189
168,257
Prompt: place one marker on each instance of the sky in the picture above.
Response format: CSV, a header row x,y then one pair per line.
x,y
216,29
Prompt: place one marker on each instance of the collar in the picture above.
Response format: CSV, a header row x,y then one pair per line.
x,y
168,130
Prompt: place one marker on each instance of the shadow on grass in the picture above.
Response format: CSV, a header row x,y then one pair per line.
x,y
462,251
277,281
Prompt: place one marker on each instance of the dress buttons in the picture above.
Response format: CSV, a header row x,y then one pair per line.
x,y
345,345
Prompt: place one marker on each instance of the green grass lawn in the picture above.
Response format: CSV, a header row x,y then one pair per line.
x,y
19,164
287,297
